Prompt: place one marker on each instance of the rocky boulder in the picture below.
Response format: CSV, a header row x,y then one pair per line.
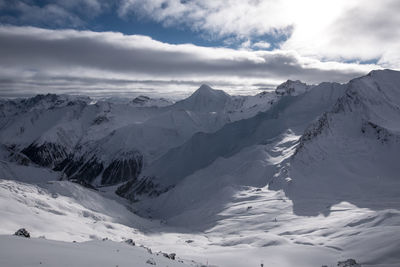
x,y
22,232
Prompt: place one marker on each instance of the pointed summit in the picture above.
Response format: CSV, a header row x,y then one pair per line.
x,y
206,90
205,99
205,87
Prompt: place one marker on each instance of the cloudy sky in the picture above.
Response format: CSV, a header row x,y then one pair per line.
x,y
170,47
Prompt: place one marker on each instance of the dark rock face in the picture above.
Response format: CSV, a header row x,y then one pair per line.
x,y
89,170
169,256
151,261
85,168
69,166
88,167
314,130
380,133
136,187
122,170
140,100
46,154
81,169
22,232
130,242
125,190
15,156
100,119
348,263
289,87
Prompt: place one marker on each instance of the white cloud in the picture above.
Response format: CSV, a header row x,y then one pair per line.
x,y
221,18
327,30
361,30
262,45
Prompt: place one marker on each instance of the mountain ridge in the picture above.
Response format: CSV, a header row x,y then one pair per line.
x,y
61,132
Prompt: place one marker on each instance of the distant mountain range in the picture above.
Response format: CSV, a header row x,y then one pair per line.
x,y
153,144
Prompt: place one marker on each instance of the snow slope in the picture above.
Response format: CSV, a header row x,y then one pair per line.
x,y
64,211
42,252
290,112
250,224
198,198
95,141
292,88
145,101
324,187
351,153
205,99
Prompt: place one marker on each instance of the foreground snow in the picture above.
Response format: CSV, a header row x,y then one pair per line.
x,y
65,211
248,226
18,251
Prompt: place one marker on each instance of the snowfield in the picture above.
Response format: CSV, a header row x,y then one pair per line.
x,y
304,176
41,252
255,225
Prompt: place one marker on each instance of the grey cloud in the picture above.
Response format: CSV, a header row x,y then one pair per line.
x,y
337,30
102,86
27,13
46,51
378,20
58,13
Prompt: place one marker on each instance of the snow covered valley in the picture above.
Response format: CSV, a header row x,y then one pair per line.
x,y
292,178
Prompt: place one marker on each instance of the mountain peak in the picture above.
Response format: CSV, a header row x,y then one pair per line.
x,y
382,71
292,88
145,101
140,100
206,91
205,99
205,87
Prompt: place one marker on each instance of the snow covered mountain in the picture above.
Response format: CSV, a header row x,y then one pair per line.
x,y
337,125
145,101
291,113
332,152
361,134
302,176
292,88
205,99
106,142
